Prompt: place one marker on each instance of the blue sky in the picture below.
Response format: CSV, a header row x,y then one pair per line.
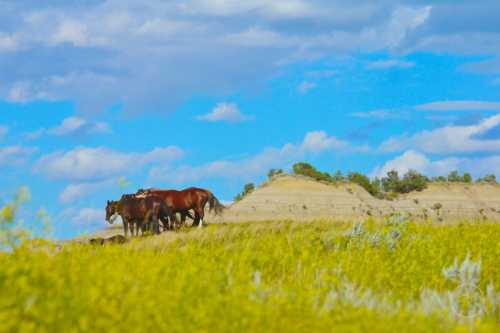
x,y
105,97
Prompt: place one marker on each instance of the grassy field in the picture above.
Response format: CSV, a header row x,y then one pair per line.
x,y
267,276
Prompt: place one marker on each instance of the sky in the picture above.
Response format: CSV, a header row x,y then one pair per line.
x,y
102,97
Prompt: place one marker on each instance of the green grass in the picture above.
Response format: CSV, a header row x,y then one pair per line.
x,y
274,276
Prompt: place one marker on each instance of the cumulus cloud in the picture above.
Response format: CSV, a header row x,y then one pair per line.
x,y
414,160
225,112
74,192
391,63
313,143
83,163
212,47
15,155
449,139
88,217
77,125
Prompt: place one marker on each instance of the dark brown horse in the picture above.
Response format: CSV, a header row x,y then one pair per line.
x,y
190,198
144,212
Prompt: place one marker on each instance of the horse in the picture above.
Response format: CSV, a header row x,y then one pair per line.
x,y
144,212
171,222
190,198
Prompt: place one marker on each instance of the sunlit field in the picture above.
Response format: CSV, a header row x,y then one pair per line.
x,y
269,276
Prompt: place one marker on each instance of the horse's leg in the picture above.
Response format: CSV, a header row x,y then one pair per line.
x,y
125,228
131,227
183,219
196,220
200,212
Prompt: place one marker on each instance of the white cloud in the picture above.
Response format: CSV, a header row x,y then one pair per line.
x,y
89,216
84,163
448,139
71,31
3,131
319,141
77,125
14,155
477,166
305,86
225,112
74,192
201,46
459,106
8,43
391,63
258,37
25,91
248,168
272,9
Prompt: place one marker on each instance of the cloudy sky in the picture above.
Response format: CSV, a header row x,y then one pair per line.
x,y
102,97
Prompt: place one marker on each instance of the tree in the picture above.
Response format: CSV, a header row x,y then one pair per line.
x,y
454,177
306,169
439,179
492,179
274,172
363,181
467,178
338,176
247,189
412,181
391,182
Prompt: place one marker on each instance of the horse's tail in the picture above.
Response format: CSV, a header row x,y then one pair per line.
x,y
214,204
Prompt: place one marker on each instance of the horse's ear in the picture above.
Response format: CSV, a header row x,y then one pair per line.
x,y
108,202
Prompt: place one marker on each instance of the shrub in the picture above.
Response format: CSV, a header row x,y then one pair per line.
x,y
308,170
413,181
274,172
247,189
467,178
454,177
492,179
363,181
391,183
439,179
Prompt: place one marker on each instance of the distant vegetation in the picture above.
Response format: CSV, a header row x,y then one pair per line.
x,y
386,187
247,189
274,172
390,185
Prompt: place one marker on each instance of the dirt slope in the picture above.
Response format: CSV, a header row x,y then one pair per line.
x,y
296,197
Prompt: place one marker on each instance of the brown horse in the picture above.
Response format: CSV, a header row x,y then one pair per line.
x,y
190,198
171,222
145,212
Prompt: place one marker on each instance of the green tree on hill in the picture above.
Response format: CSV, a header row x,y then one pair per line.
x,y
247,189
390,183
363,181
454,177
274,172
492,179
306,169
467,178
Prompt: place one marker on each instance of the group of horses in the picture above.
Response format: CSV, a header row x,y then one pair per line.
x,y
145,209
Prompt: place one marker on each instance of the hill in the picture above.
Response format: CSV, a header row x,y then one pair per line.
x,y
298,197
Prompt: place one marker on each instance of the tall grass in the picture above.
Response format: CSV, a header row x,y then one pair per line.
x,y
274,276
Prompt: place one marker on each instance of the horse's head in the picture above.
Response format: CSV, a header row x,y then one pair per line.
x,y
111,211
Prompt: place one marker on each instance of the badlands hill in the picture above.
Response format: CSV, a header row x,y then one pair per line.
x,y
298,197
